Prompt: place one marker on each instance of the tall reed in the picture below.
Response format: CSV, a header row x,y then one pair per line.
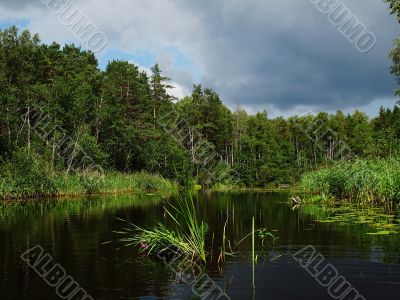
x,y
35,183
187,233
363,180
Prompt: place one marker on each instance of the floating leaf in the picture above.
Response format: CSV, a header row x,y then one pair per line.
x,y
326,221
383,232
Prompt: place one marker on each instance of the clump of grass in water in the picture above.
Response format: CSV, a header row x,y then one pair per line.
x,y
188,234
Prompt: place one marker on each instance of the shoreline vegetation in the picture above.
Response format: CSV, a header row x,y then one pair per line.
x,y
366,181
61,114
186,237
63,185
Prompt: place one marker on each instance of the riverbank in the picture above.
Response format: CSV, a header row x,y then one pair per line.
x,y
359,180
272,187
63,185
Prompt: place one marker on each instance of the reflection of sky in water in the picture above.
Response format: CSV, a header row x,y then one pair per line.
x,y
76,233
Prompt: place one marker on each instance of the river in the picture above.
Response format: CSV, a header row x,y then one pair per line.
x,y
79,235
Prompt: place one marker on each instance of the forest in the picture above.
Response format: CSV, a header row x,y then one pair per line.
x,y
125,121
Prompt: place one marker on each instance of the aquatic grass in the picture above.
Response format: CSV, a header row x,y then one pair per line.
x,y
116,182
183,232
151,241
225,240
187,235
68,185
28,175
186,218
40,184
362,180
264,233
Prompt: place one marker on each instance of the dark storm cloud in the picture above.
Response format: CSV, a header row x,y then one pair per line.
x,y
288,54
259,53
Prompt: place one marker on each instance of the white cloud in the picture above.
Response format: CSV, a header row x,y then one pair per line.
x,y
283,56
178,91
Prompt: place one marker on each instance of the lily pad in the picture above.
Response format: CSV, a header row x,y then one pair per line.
x,y
383,232
326,221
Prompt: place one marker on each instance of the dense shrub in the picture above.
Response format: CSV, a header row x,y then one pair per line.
x,y
25,175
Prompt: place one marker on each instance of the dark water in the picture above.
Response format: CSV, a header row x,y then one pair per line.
x,y
75,233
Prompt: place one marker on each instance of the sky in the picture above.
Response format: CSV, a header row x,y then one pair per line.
x,y
285,56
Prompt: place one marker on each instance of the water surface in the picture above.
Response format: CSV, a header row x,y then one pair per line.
x,y
75,233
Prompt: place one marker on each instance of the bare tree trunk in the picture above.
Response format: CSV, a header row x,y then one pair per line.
x,y
98,121
232,156
53,155
226,154
8,127
315,155
154,113
71,159
28,118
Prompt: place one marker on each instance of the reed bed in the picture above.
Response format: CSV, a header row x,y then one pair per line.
x,y
40,184
362,180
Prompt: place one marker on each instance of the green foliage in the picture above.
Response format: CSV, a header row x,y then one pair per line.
x,y
372,180
187,234
25,175
394,6
137,182
376,220
394,55
126,121
263,234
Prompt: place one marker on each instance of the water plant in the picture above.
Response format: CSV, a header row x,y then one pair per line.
x,y
187,234
375,220
361,180
263,233
31,180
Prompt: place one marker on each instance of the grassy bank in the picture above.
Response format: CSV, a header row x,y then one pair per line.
x,y
271,188
365,181
59,185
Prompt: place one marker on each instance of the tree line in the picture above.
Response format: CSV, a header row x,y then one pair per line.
x,y
114,116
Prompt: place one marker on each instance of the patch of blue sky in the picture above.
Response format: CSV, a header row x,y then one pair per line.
x,y
20,23
147,60
142,59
